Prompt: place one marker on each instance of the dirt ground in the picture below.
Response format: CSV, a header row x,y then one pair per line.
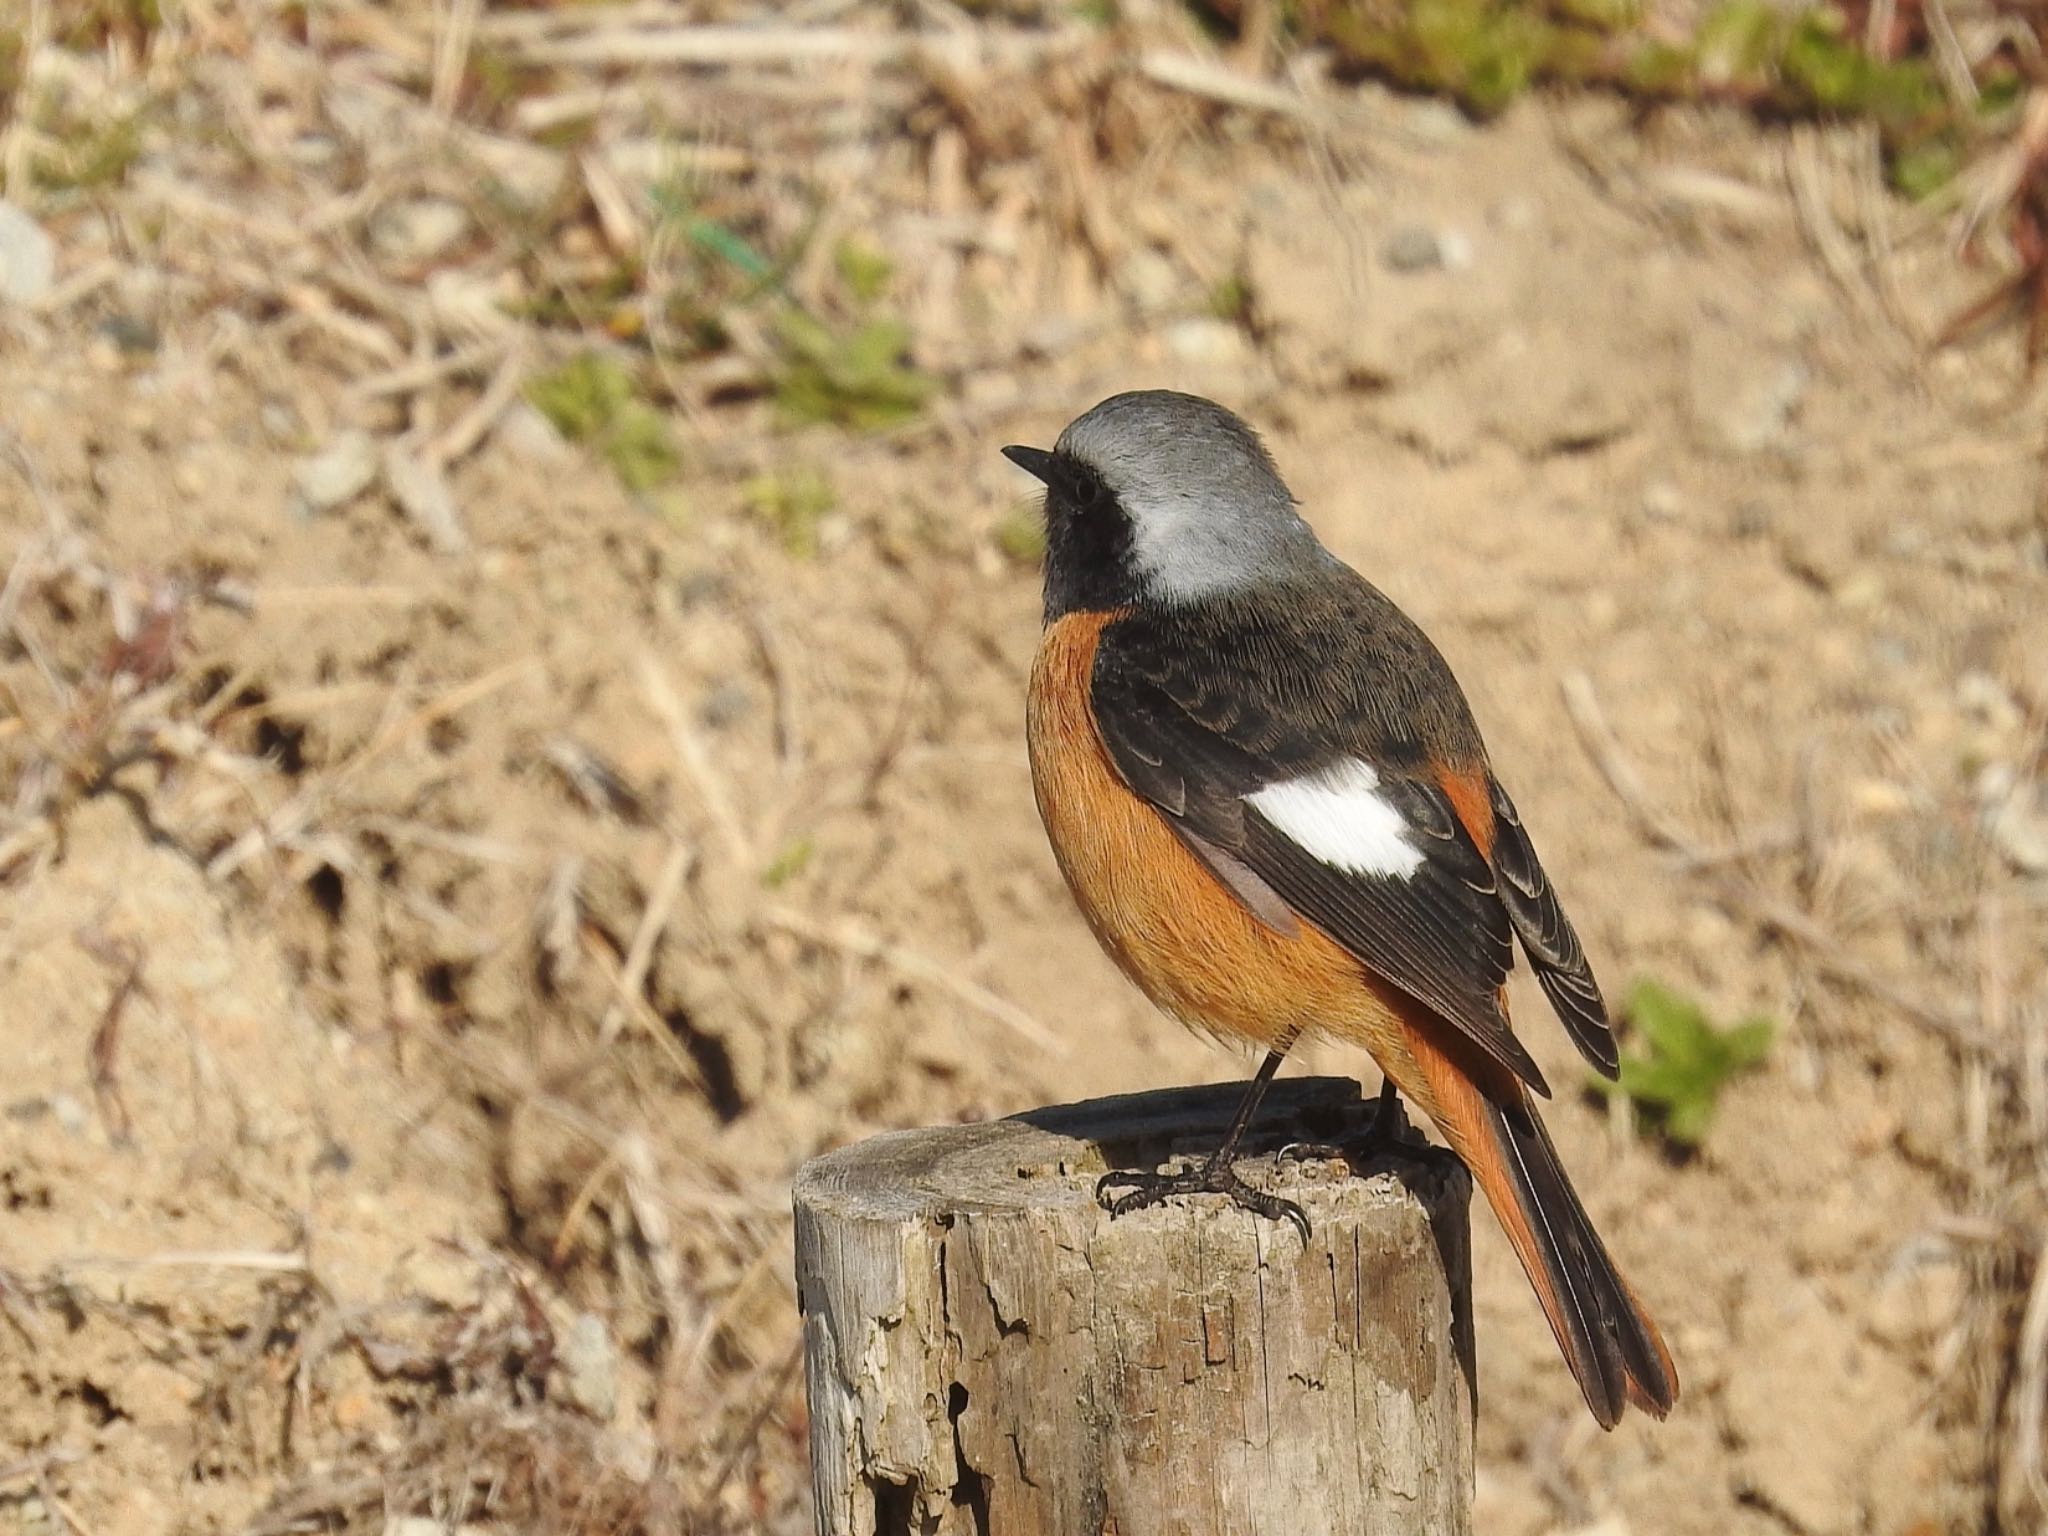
x,y
427,955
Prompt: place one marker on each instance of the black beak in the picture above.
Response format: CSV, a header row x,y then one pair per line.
x,y
1033,461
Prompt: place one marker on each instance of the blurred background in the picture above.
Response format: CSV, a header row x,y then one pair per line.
x,y
511,652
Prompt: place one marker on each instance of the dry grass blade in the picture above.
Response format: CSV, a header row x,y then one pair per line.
x,y
661,906
696,762
1212,81
2023,1477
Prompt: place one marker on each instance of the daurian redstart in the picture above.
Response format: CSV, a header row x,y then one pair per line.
x,y
1268,795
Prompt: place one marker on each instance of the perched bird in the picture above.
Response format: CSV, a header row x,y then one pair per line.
x,y
1268,795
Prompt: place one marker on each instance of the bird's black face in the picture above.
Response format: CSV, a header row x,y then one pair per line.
x,y
1087,536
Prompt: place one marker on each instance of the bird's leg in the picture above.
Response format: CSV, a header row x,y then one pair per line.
x,y
1214,1177
1384,1137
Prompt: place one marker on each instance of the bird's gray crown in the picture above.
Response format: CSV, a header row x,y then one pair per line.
x,y
1208,511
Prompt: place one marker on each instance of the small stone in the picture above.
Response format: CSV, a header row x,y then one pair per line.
x,y
418,229
281,422
1148,279
1983,696
589,1367
1436,123
340,472
422,493
69,1113
1412,248
1454,246
1757,416
28,258
1879,798
1751,518
313,151
523,432
726,706
416,1525
1205,341
1662,502
631,1452
135,337
352,1411
2018,824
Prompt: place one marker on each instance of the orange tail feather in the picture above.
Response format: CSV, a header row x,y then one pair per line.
x,y
1608,1340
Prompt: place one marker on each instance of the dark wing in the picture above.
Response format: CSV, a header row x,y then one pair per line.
x,y
1549,940
1440,932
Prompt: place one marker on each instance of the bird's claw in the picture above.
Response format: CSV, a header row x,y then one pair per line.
x,y
1150,1189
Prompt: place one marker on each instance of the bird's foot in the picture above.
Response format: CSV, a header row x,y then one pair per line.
x,y
1385,1136
1210,1178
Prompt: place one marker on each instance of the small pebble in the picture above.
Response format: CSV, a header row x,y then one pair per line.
x,y
340,472
1149,279
1437,123
69,1113
526,434
1759,416
28,258
1661,501
1412,248
418,229
589,1364
133,336
422,493
1202,340
725,706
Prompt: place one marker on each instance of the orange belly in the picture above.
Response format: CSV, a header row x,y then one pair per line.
x,y
1172,927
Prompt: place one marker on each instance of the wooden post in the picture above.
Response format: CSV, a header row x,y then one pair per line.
x,y
991,1355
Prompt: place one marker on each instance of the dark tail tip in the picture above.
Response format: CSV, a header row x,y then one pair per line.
x,y
1607,1337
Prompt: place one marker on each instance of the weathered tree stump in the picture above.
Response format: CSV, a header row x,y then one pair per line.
x,y
990,1355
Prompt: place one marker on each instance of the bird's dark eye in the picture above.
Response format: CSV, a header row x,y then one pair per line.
x,y
1086,489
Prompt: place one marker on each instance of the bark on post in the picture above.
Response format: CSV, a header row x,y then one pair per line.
x,y
990,1355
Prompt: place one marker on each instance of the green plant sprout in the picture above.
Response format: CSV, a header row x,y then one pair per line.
x,y
592,399
1678,1079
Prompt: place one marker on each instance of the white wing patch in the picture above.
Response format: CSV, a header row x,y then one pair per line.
x,y
1339,815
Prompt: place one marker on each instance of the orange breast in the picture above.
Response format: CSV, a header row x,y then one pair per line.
x,y
1172,926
